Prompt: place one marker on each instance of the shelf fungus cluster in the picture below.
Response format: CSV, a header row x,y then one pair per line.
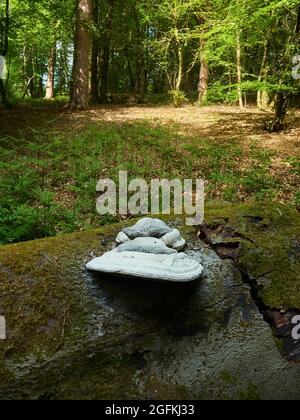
x,y
149,250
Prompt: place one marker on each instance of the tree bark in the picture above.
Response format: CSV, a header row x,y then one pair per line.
x,y
239,68
283,98
281,105
51,73
106,53
80,83
129,68
262,96
204,74
40,91
139,87
61,78
3,94
95,56
31,75
180,67
3,52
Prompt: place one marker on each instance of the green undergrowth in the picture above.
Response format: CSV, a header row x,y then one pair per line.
x,y
48,178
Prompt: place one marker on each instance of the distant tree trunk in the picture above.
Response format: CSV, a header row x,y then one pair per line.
x,y
147,64
139,87
40,87
61,76
28,71
281,105
80,83
129,68
159,83
31,76
106,53
297,30
180,68
283,98
95,56
204,74
3,94
3,51
262,96
40,92
51,73
95,73
239,68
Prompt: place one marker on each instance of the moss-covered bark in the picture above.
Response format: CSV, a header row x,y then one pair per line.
x,y
75,335
267,243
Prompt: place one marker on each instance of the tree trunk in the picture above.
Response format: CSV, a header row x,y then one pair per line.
x,y
130,73
40,88
262,96
61,80
40,92
80,83
95,73
159,83
139,87
3,94
297,29
4,50
95,56
63,75
106,53
239,68
51,73
283,98
204,74
281,104
180,68
31,76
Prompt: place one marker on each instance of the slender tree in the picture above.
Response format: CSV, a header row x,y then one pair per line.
x,y
4,28
95,54
106,53
239,68
204,74
82,47
51,73
283,83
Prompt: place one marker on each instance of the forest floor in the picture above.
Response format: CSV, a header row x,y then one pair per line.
x,y
51,158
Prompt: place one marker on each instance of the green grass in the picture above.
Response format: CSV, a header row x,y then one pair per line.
x,y
294,163
48,179
36,103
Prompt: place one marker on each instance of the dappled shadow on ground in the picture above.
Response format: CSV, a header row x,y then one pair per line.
x,y
216,122
220,143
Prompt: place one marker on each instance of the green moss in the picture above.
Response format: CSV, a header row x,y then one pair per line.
x,y
51,312
250,394
111,379
269,235
51,303
228,378
48,295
